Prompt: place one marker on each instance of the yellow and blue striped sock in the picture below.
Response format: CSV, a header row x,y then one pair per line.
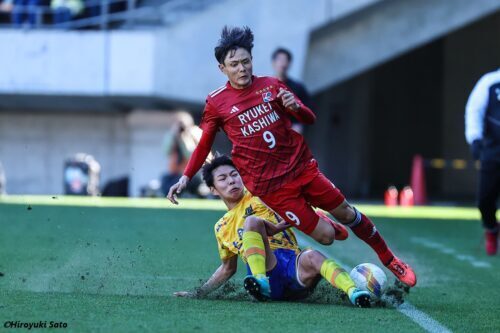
x,y
337,276
255,252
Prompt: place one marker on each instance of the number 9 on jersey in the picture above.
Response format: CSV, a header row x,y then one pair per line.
x,y
269,138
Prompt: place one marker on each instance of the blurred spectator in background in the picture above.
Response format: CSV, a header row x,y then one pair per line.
x,y
81,175
179,143
482,131
5,11
65,10
25,12
281,61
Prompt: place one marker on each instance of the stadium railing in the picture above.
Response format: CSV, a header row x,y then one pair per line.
x,y
131,13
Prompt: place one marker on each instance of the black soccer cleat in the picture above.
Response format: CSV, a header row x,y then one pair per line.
x,y
258,289
360,298
363,302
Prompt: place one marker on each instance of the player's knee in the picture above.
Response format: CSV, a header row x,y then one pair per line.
x,y
327,237
253,223
344,214
315,259
324,233
310,264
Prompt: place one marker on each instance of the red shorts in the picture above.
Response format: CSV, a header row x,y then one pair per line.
x,y
294,201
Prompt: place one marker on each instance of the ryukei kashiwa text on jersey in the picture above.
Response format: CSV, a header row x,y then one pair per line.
x,y
229,229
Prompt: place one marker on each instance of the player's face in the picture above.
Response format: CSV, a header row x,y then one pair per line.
x,y
281,64
227,183
238,68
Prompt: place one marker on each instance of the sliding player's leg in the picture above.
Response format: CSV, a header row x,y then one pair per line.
x,y
259,256
269,271
312,263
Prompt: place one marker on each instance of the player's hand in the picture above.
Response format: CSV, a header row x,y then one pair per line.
x,y
177,188
272,229
288,99
187,294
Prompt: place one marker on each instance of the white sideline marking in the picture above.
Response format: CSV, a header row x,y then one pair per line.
x,y
422,319
446,250
419,317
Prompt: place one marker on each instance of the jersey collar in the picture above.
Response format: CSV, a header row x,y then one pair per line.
x,y
229,86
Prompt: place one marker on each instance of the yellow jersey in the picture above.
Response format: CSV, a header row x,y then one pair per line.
x,y
229,229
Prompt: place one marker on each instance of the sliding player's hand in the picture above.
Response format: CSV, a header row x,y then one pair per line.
x,y
176,189
288,99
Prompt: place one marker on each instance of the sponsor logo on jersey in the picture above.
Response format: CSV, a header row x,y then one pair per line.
x,y
234,109
237,245
268,88
249,211
267,97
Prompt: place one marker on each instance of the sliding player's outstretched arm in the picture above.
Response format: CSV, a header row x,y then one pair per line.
x,y
225,271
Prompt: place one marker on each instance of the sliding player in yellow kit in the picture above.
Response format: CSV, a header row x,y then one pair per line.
x,y
278,269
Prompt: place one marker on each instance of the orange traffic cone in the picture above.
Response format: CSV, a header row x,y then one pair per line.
x,y
391,196
406,198
418,180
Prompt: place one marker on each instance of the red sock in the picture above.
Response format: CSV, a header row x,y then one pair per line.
x,y
366,231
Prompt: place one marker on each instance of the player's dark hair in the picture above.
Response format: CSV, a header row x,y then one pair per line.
x,y
208,168
284,51
231,39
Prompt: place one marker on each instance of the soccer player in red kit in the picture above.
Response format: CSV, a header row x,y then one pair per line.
x,y
273,160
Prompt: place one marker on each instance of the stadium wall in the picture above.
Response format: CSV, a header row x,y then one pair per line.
x,y
34,147
82,63
349,46
414,104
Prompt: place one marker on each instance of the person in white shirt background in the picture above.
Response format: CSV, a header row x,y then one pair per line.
x,y
482,132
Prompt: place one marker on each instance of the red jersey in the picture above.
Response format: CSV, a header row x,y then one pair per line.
x,y
266,151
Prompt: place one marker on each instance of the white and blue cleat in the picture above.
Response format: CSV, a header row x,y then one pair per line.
x,y
258,286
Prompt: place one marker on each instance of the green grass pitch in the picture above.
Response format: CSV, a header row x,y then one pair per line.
x,y
112,265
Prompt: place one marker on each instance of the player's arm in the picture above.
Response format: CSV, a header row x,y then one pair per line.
x,y
225,271
210,127
295,106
